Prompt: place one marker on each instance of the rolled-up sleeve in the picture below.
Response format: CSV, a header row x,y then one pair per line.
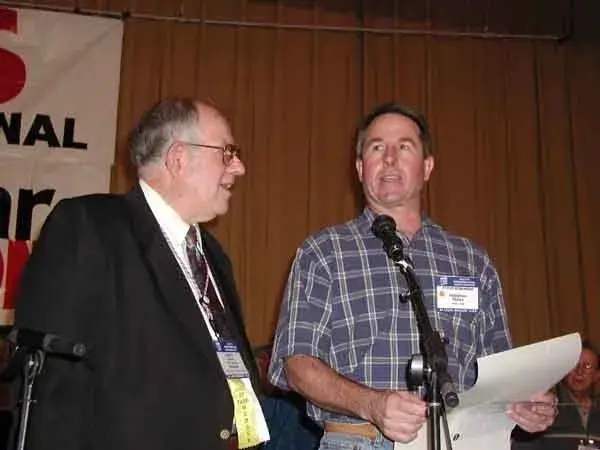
x,y
495,334
302,328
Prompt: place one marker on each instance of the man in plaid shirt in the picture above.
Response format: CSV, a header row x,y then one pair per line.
x,y
344,337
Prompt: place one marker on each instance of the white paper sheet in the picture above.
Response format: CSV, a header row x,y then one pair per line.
x,y
480,419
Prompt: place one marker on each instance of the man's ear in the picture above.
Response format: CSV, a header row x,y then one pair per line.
x,y
428,164
175,158
359,169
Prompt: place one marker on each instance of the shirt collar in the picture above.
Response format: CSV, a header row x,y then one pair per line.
x,y
368,216
170,222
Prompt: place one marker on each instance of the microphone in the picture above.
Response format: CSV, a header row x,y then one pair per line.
x,y
49,343
384,228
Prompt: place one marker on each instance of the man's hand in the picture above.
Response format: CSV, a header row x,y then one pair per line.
x,y
537,414
399,415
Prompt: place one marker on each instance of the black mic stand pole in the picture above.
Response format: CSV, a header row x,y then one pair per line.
x,y
30,352
439,388
32,367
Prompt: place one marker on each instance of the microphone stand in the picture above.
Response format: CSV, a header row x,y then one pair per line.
x,y
30,352
429,369
26,363
33,365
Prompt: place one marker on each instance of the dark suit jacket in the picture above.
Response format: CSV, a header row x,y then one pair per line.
x,y
103,274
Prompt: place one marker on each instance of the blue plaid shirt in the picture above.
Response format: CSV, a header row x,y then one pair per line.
x,y
342,306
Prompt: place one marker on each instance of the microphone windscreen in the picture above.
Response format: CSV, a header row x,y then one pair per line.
x,y
382,225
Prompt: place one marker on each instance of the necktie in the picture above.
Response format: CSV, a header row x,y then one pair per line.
x,y
208,296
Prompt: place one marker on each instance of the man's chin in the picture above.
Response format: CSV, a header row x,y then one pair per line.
x,y
222,208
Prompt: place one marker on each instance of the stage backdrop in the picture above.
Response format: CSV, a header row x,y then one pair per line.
x,y
59,84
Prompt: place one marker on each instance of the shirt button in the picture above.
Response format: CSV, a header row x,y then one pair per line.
x,y
225,434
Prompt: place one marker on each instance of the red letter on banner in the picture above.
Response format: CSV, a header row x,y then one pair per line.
x,y
18,253
14,72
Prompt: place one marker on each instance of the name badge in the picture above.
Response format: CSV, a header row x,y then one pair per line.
x,y
231,360
454,293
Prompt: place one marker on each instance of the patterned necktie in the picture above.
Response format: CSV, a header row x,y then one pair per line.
x,y
208,297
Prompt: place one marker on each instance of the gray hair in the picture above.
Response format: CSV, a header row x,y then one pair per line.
x,y
401,110
166,120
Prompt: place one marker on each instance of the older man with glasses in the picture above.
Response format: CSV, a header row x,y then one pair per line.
x,y
150,293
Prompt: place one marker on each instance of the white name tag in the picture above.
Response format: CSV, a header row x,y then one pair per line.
x,y
231,360
454,293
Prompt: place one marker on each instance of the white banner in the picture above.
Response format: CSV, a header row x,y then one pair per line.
x,y
59,87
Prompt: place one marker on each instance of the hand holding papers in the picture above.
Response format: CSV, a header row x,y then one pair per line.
x,y
480,420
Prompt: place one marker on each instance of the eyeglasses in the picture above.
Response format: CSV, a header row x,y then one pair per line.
x,y
586,367
230,151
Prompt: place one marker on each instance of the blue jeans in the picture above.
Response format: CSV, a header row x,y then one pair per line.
x,y
341,441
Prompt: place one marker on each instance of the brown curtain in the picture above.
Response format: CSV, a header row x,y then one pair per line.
x,y
513,114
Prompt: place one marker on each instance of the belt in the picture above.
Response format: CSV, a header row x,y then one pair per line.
x,y
365,429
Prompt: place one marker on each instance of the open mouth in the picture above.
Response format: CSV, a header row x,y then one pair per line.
x,y
391,178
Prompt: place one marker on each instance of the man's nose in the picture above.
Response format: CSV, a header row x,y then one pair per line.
x,y
391,154
237,167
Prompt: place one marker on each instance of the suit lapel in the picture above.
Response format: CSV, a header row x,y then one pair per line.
x,y
177,297
224,279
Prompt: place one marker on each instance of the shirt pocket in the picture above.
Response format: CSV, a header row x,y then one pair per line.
x,y
460,330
